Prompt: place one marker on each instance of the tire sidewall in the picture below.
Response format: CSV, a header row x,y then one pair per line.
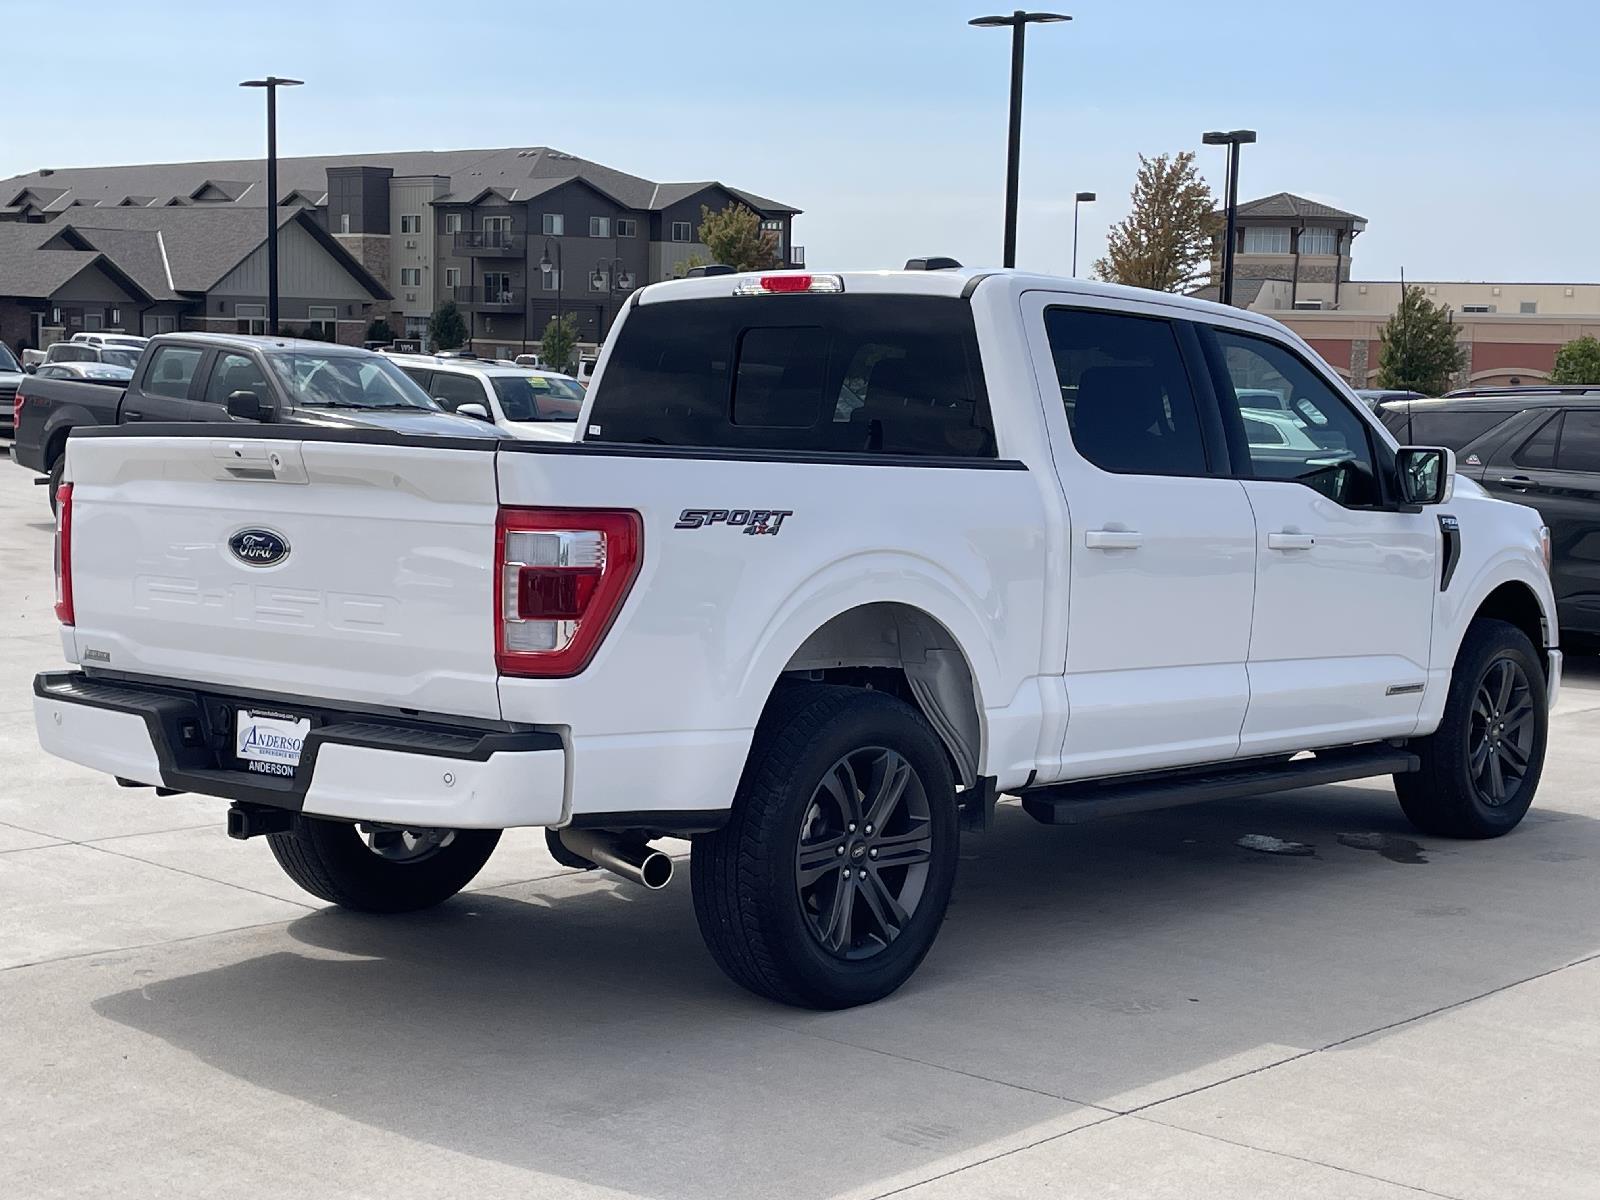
x,y
1502,642
895,726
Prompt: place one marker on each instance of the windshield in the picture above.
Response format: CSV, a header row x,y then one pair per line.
x,y
538,397
119,358
7,362
347,381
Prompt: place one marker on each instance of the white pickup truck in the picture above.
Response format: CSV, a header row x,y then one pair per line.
x,y
837,560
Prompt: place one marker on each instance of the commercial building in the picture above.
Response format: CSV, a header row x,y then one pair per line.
x,y
1293,260
514,236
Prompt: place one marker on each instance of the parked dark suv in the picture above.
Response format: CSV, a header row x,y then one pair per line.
x,y
1535,446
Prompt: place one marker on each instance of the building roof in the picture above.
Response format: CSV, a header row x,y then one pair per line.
x,y
1245,291
517,172
36,274
1288,205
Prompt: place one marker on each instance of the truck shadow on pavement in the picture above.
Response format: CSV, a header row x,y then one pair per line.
x,y
577,1026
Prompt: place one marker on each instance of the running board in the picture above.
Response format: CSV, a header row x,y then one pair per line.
x,y
1073,803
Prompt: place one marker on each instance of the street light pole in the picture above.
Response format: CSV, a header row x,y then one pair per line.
x,y
1080,198
272,83
561,280
1232,139
1018,21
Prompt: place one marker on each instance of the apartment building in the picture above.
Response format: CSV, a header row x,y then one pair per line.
x,y
514,236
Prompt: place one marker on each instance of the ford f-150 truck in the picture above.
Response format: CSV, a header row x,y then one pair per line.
x,y
215,377
838,559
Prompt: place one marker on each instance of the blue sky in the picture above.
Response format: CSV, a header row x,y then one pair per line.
x,y
1465,132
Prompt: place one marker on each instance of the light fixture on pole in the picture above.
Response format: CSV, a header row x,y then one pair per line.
x,y
1232,139
1080,198
544,269
272,83
1018,21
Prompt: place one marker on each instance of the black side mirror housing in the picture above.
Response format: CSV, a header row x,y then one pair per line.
x,y
245,405
31,368
1427,474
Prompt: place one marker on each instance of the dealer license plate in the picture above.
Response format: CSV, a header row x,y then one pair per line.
x,y
269,743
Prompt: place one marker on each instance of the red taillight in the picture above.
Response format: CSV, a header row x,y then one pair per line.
x,y
64,554
563,574
16,412
788,283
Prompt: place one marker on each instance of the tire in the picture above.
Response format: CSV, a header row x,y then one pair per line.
x,y
766,895
1452,796
56,470
334,862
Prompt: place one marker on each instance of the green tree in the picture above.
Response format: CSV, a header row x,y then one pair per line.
x,y
559,340
1165,241
446,328
379,331
1578,362
735,238
1420,351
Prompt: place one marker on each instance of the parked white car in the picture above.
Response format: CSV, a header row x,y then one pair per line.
x,y
838,559
127,341
521,402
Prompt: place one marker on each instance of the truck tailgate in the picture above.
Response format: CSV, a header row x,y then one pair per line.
x,y
371,584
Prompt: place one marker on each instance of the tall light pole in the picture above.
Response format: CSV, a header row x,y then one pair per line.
x,y
561,280
1018,21
1080,198
1232,139
272,83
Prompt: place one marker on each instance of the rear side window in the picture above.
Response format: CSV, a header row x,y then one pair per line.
x,y
1540,449
170,371
1126,392
1580,441
826,373
1453,429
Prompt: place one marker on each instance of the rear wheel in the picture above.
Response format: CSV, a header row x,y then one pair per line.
x,y
380,868
829,883
1480,769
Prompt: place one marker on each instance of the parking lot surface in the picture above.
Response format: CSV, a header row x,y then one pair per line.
x,y
1140,1008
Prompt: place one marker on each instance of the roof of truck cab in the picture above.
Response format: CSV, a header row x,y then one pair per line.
x,y
259,341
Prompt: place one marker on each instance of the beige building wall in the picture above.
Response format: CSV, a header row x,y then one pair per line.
x,y
413,196
1559,299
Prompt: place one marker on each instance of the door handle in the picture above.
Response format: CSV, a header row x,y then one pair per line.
x,y
1113,539
1290,541
133,415
1517,483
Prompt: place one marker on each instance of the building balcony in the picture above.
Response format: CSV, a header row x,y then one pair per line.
x,y
490,243
490,299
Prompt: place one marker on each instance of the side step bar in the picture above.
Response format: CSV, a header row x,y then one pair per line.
x,y
1074,803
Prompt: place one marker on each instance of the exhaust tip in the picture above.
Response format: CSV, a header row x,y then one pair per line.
x,y
655,872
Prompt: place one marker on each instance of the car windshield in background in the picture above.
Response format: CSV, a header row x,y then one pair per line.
x,y
7,362
112,356
346,381
538,397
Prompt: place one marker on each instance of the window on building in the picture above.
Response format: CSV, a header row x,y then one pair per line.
x,y
1318,239
324,319
552,280
452,277
344,222
1528,306
1266,239
410,276
681,232
93,322
627,227
171,370
250,318
497,225
1477,308
452,222
1127,396
1308,305
411,223
555,224
600,227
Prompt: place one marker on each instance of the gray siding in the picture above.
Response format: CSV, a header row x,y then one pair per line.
x,y
414,196
305,269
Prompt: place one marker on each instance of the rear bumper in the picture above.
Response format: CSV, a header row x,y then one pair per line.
x,y
354,765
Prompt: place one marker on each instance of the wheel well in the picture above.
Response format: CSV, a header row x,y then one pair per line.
x,y
901,650
1515,603
56,448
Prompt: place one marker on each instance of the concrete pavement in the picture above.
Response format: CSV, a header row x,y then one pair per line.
x,y
1138,1008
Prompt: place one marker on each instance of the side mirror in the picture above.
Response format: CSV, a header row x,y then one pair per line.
x,y
473,410
246,406
31,368
1427,476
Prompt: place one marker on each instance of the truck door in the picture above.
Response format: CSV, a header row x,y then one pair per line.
x,y
163,390
1162,543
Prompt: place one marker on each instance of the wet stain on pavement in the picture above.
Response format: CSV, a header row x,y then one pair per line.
x,y
1263,844
1395,849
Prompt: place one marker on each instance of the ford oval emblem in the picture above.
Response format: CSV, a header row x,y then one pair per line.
x,y
259,547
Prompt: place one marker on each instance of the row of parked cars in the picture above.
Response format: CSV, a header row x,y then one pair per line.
x,y
218,377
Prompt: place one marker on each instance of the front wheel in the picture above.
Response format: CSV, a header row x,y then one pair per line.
x,y
1481,767
376,868
829,883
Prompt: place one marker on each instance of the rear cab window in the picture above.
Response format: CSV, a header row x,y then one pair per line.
x,y
171,371
864,374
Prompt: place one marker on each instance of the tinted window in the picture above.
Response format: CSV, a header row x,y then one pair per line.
x,y
538,397
236,373
8,361
70,352
1452,428
346,381
1540,449
120,357
1580,441
855,373
1127,395
1326,447
171,369
453,391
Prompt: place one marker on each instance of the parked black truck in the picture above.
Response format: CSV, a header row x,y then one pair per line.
x,y
222,377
